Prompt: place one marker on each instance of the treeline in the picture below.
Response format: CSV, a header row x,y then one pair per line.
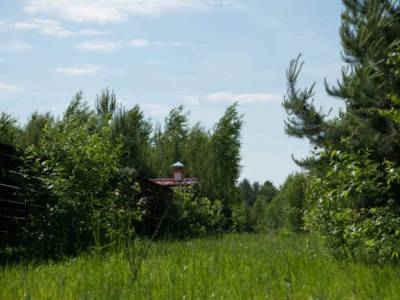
x,y
91,160
265,208
353,189
147,149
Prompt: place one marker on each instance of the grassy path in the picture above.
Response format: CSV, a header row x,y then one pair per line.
x,y
234,267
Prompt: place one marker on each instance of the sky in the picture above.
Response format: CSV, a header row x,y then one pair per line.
x,y
203,54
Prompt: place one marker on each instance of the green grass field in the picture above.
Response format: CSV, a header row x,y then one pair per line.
x,y
233,267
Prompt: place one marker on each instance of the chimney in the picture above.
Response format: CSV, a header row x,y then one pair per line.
x,y
178,171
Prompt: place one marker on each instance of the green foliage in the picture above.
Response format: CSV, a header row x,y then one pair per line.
x,y
134,131
267,191
8,129
257,214
240,218
287,208
33,130
86,164
106,103
77,161
225,150
370,34
249,214
355,206
354,196
196,154
245,266
247,194
169,143
192,215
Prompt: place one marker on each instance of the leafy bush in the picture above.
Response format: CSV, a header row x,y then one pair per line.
x,y
257,214
240,218
354,206
78,163
193,215
8,129
287,208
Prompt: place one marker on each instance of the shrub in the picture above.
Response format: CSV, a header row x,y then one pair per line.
x,y
192,215
78,163
354,207
257,214
287,207
240,218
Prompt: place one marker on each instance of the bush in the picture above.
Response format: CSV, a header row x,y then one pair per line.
x,y
191,215
78,163
240,218
257,214
354,207
287,207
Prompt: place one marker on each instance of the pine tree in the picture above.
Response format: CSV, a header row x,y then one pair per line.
x,y
370,33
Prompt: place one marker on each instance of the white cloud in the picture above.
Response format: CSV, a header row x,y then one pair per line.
x,y
155,108
114,45
189,99
244,98
47,27
6,87
101,11
15,46
229,97
78,71
140,43
178,44
98,46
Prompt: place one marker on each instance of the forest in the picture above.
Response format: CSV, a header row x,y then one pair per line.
x,y
331,231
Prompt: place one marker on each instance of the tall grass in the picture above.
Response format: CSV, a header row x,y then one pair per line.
x,y
233,267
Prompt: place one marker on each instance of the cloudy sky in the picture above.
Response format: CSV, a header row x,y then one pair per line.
x,y
203,54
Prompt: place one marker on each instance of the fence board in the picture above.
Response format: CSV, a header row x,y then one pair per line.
x,y
15,210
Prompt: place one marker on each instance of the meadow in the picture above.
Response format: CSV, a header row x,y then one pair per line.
x,y
235,266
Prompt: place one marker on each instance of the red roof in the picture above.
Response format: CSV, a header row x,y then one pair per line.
x,y
170,182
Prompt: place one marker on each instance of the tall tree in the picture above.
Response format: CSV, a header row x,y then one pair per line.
x,y
370,33
169,142
106,102
197,152
225,146
8,129
33,130
267,191
246,192
131,126
357,153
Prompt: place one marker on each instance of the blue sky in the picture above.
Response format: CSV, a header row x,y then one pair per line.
x,y
203,54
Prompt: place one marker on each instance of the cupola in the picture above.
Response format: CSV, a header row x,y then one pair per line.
x,y
178,169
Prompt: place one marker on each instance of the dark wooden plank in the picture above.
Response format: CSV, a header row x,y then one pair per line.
x,y
8,191
10,224
7,163
8,149
12,219
15,204
13,178
14,212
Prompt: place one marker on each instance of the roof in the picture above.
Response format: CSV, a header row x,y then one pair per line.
x,y
178,164
170,182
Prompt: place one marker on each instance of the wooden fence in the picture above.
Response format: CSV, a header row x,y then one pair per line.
x,y
14,209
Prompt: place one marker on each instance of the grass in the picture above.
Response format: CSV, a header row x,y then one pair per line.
x,y
234,267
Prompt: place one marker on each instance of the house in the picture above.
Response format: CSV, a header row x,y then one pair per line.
x,y
177,179
156,193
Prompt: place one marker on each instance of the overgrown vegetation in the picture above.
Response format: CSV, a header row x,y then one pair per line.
x,y
255,266
91,161
353,196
